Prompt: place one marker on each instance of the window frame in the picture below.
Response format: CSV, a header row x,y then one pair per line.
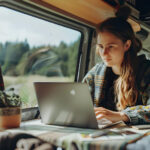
x,y
86,31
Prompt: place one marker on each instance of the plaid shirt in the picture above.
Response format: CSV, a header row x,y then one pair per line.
x,y
97,79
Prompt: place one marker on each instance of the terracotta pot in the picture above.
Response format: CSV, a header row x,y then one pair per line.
x,y
10,117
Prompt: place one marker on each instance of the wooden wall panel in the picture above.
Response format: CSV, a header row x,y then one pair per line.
x,y
91,12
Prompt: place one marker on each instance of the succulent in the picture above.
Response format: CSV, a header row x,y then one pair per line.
x,y
9,98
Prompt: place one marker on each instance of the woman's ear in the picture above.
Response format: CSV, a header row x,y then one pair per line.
x,y
127,45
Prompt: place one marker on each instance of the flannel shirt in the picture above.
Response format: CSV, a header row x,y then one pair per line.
x,y
97,77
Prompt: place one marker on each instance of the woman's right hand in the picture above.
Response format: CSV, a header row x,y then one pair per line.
x,y
110,115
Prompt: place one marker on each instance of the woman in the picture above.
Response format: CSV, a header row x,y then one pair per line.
x,y
120,86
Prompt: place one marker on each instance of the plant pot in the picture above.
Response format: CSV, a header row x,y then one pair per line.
x,y
10,117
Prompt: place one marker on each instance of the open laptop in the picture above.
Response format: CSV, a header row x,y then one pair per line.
x,y
67,104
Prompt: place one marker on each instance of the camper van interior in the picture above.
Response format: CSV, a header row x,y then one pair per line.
x,y
55,41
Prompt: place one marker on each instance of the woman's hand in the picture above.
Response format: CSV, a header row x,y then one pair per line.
x,y
110,115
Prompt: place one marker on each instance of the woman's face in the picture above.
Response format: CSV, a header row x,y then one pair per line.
x,y
111,48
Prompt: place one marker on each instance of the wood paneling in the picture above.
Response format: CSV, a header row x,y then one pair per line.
x,y
88,11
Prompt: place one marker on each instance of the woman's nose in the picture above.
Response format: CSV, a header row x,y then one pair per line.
x,y
105,51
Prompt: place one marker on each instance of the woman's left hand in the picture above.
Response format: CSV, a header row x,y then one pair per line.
x,y
110,115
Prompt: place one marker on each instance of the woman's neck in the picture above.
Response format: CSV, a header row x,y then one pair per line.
x,y
116,70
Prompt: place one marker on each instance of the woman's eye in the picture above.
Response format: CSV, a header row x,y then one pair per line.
x,y
100,47
110,46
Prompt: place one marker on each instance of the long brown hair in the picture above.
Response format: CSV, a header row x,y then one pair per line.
x,y
125,87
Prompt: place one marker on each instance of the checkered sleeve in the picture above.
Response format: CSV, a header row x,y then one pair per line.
x,y
89,79
140,114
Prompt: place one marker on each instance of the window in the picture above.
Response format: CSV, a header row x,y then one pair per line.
x,y
33,49
144,36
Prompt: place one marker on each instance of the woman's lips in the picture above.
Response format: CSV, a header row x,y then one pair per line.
x,y
107,60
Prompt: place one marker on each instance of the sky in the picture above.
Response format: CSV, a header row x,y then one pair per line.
x,y
16,27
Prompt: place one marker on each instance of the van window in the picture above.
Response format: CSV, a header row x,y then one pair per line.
x,y
33,49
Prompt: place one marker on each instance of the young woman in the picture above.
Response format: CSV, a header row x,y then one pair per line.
x,y
120,86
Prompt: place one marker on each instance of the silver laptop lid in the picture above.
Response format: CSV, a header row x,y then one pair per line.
x,y
66,104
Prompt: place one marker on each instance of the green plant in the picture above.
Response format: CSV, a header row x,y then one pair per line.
x,y
9,98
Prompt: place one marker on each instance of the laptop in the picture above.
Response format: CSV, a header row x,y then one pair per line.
x,y
67,104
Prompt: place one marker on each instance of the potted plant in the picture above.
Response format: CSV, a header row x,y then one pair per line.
x,y
10,109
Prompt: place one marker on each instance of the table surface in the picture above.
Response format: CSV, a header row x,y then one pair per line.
x,y
62,136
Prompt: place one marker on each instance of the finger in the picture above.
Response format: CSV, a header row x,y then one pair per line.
x,y
100,112
107,111
98,108
96,112
100,116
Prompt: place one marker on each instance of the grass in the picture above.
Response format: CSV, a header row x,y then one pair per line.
x,y
24,86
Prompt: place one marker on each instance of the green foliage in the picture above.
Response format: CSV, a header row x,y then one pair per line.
x,y
13,53
73,54
19,59
2,54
